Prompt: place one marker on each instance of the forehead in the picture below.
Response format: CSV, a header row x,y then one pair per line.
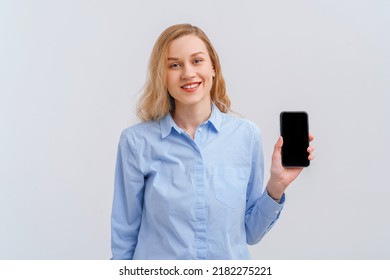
x,y
186,46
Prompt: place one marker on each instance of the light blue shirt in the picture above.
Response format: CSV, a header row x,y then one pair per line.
x,y
179,198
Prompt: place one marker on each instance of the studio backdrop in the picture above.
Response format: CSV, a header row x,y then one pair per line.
x,y
71,73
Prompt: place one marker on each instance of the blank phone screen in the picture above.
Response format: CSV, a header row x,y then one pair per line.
x,y
295,132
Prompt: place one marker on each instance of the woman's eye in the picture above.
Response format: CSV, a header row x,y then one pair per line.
x,y
174,65
197,61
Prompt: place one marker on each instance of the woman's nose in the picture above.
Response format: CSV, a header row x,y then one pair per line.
x,y
188,72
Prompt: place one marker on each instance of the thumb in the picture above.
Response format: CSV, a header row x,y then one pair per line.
x,y
278,148
279,144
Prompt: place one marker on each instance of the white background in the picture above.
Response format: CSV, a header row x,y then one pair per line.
x,y
70,75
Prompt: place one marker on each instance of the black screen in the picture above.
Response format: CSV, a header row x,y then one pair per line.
x,y
295,133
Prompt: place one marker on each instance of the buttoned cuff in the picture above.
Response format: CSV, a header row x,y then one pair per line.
x,y
269,207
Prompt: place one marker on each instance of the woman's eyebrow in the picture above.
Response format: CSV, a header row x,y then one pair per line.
x,y
192,55
197,53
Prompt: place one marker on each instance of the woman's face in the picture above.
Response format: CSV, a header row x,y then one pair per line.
x,y
190,72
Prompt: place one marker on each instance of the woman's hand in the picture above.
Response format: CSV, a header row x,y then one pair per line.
x,y
281,177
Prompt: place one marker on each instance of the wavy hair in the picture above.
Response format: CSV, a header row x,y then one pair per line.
x,y
156,101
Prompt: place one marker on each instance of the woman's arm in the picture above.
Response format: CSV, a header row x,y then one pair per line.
x,y
128,201
262,211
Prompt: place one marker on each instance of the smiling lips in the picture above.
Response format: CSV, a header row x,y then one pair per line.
x,y
191,86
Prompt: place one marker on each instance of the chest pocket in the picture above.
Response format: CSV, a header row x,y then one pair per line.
x,y
230,184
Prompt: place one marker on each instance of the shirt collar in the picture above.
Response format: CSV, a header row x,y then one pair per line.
x,y
167,123
215,117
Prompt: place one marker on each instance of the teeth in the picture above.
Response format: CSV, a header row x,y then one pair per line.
x,y
191,86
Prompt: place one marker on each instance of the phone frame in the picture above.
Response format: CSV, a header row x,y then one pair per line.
x,y
301,161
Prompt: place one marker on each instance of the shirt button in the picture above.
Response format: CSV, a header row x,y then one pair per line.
x,y
199,129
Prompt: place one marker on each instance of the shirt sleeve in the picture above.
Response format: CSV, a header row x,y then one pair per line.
x,y
128,201
261,210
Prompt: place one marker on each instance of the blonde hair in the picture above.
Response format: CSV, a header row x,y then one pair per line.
x,y
156,101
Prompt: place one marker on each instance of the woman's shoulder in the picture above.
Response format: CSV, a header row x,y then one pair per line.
x,y
237,121
141,130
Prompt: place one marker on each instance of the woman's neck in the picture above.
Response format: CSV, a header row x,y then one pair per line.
x,y
190,117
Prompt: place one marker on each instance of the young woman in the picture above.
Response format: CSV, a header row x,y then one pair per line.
x,y
189,177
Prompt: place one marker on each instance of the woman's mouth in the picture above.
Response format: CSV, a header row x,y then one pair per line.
x,y
191,86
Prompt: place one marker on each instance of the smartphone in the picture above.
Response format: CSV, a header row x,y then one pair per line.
x,y
294,128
